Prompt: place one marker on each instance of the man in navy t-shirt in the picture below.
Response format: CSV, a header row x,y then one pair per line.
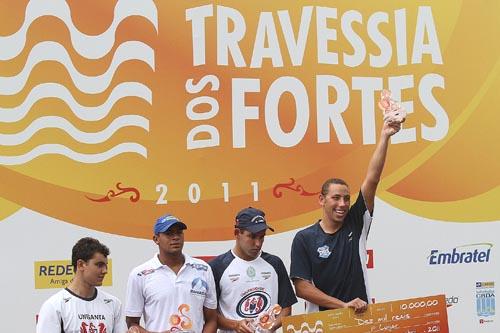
x,y
328,258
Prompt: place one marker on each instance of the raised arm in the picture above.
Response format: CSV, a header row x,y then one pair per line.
x,y
376,165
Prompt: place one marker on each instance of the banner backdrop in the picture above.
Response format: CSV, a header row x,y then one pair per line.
x,y
113,113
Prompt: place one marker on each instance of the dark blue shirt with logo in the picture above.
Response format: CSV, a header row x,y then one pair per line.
x,y
334,263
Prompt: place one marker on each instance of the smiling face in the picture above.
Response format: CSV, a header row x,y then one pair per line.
x,y
171,241
93,270
248,245
335,203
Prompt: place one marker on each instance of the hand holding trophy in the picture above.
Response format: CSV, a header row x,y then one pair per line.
x,y
394,113
265,322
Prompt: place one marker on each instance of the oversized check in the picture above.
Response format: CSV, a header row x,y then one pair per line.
x,y
416,315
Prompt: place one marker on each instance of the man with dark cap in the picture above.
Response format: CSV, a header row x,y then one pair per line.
x,y
173,291
250,282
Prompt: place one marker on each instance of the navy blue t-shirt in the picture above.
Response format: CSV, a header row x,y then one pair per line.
x,y
334,263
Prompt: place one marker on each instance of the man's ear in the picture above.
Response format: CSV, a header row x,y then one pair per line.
x,y
236,232
80,263
155,239
321,199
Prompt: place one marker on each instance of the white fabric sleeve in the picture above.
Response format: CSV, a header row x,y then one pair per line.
x,y
49,319
211,299
134,298
120,325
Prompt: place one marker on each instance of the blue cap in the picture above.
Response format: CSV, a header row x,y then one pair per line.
x,y
164,223
252,219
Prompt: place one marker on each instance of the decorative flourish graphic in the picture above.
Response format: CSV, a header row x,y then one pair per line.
x,y
90,47
317,328
277,193
122,190
53,51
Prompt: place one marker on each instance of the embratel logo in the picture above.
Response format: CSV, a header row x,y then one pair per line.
x,y
464,254
57,274
485,299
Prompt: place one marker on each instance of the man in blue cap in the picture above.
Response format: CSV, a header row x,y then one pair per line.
x,y
173,291
250,282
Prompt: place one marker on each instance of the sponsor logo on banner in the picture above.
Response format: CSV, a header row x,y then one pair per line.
x,y
451,300
370,259
485,300
253,303
58,273
464,254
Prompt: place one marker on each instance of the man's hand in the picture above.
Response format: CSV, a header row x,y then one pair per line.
x,y
134,329
390,129
357,304
243,326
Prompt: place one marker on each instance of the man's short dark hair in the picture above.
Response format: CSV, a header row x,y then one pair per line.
x,y
85,249
326,185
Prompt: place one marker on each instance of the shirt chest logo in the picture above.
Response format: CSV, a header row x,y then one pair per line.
x,y
199,287
324,251
253,303
251,272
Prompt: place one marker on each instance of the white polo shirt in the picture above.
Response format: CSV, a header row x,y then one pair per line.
x,y
170,301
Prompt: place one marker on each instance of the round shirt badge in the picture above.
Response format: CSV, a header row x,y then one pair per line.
x,y
251,272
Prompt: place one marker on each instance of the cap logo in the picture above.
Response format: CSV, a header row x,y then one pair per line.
x,y
258,219
168,218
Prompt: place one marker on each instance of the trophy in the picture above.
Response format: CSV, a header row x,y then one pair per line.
x,y
393,111
264,323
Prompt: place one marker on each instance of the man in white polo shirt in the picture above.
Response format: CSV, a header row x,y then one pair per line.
x,y
173,291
